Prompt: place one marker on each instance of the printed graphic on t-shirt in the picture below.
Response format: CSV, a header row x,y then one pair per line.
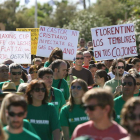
x,y
101,138
55,103
77,119
39,121
62,89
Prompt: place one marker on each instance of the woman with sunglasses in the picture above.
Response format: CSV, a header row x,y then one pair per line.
x,y
3,119
32,73
42,115
101,77
72,114
55,54
137,78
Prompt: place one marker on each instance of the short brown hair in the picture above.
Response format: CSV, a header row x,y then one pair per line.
x,y
103,97
79,53
31,87
128,108
135,60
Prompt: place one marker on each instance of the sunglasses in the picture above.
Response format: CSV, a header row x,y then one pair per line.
x,y
16,73
127,83
133,116
119,67
138,83
20,114
33,72
78,58
91,107
78,87
56,57
39,89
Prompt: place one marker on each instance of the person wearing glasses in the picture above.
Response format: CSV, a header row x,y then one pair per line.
x,y
81,72
16,111
55,54
98,105
87,59
55,95
137,78
72,113
101,77
128,88
32,73
41,114
15,71
118,67
130,118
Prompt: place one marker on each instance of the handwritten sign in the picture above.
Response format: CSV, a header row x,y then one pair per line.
x,y
113,42
16,46
34,37
50,38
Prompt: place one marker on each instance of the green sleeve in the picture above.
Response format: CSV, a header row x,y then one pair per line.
x,y
64,117
28,126
1,84
54,122
62,100
46,64
66,95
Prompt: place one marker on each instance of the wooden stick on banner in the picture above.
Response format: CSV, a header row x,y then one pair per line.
x,y
117,72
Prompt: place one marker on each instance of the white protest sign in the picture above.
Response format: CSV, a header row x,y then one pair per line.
x,y
50,38
16,46
113,42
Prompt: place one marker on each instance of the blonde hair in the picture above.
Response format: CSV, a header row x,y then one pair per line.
x,y
3,135
3,108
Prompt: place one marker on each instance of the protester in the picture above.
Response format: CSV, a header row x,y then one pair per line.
x,y
98,104
137,78
9,87
87,59
42,115
8,62
15,75
118,67
72,113
55,54
22,88
101,77
82,44
89,44
16,111
130,117
81,72
26,67
55,95
36,61
3,72
32,73
3,118
59,68
136,64
108,64
93,69
128,89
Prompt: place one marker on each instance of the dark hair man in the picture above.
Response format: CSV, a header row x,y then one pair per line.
x,y
98,104
117,69
128,89
130,118
3,72
15,75
16,111
59,68
55,95
81,72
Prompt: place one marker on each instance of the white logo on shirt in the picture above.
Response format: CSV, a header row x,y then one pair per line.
x,y
39,121
78,119
62,89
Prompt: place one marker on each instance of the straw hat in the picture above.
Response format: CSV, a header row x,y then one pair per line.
x,y
9,87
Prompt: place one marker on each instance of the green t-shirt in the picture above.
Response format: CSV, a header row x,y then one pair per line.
x,y
113,83
44,119
47,64
1,83
118,105
59,99
25,135
72,118
63,87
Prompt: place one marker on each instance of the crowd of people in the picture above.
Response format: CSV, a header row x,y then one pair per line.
x,y
56,99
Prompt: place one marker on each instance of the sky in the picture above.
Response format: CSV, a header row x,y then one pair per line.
x,y
32,2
